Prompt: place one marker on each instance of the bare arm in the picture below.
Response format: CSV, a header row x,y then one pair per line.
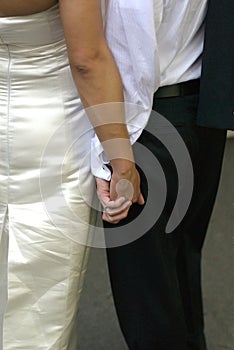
x,y
98,82
94,69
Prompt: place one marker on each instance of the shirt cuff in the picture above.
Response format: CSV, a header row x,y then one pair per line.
x,y
99,160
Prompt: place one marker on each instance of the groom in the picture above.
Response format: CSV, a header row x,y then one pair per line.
x,y
156,280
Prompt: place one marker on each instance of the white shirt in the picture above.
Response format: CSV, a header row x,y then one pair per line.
x,y
154,43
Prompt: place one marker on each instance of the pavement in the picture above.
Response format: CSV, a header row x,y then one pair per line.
x,y
97,323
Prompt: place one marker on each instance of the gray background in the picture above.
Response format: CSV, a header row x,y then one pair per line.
x,y
97,324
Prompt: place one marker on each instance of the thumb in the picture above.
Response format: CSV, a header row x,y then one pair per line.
x,y
141,200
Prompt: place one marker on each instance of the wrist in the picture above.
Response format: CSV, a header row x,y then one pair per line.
x,y
119,152
122,167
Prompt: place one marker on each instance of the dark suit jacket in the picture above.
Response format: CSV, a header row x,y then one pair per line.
x,y
216,106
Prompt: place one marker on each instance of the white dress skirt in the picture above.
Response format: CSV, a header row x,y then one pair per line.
x,y
46,188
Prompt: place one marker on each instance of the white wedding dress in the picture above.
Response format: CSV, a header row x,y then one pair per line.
x,y
46,186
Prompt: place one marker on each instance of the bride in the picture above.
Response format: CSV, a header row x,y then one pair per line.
x,y
54,62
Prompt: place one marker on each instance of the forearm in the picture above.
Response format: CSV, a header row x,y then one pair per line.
x,y
94,70
96,77
100,88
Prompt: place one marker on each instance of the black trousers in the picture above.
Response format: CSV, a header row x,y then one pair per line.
x,y
156,280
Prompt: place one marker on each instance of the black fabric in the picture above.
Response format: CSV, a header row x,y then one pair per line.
x,y
216,106
184,88
156,280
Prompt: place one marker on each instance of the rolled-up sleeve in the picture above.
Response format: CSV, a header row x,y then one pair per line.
x,y
130,33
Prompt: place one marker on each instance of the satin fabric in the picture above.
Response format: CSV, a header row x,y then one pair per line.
x,y
46,187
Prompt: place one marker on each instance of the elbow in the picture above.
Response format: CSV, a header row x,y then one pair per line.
x,y
85,61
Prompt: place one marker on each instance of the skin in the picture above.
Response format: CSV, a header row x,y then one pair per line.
x,y
98,82
24,7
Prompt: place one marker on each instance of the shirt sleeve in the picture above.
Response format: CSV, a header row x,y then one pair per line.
x,y
131,36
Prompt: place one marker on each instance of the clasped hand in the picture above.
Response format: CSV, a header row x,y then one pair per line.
x,y
117,195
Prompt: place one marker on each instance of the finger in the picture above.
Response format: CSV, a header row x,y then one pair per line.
x,y
141,200
118,210
116,203
115,219
110,220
